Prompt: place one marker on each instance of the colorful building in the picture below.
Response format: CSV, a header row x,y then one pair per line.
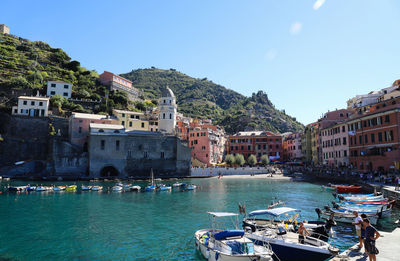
x,y
335,145
79,126
374,137
116,82
292,147
256,143
132,120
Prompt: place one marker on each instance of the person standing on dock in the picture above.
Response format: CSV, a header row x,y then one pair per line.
x,y
363,216
357,222
371,235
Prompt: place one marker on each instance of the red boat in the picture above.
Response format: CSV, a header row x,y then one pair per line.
x,y
348,189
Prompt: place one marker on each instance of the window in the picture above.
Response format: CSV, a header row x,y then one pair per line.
x,y
142,124
145,155
123,123
137,117
242,147
40,103
25,102
344,140
66,86
380,137
206,155
203,147
15,111
32,103
366,138
277,146
249,147
65,94
264,147
80,130
259,146
123,115
170,116
387,119
130,124
163,115
360,139
52,93
195,142
345,153
162,155
343,128
53,85
270,146
117,145
102,144
372,138
132,116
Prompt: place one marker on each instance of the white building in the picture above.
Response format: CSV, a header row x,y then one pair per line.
x,y
32,106
61,88
167,113
4,29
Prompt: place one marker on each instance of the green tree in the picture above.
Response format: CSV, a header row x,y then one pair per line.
x,y
239,159
252,160
264,159
19,82
230,159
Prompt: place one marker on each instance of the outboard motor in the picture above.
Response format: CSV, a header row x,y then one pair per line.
x,y
319,212
327,208
335,205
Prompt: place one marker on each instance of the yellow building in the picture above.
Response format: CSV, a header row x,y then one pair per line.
x,y
132,120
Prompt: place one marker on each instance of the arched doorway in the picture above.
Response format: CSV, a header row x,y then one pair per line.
x,y
109,171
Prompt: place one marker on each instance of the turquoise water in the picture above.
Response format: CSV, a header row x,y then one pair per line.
x,y
138,226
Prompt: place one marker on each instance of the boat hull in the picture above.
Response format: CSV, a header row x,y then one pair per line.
x,y
292,252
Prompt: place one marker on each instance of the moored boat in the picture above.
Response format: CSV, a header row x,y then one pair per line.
x,y
71,188
348,189
97,188
86,188
191,187
226,245
117,188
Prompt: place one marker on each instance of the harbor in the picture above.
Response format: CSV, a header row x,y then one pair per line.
x,y
105,225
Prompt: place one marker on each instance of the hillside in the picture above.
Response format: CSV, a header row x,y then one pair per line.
x,y
201,98
26,66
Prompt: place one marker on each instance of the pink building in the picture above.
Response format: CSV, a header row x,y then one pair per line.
x,y
292,147
79,124
335,145
116,82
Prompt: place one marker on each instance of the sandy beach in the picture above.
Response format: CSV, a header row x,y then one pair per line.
x,y
259,176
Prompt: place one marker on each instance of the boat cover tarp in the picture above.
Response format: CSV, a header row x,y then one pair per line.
x,y
228,233
273,212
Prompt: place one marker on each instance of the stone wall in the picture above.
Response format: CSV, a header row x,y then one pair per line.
x,y
137,155
207,172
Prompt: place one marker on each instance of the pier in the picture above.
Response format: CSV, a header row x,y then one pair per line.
x,y
387,244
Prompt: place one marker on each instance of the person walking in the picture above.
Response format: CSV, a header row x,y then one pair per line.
x,y
371,235
363,216
357,223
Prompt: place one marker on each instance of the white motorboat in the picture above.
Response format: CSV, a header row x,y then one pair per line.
x,y
117,189
287,244
226,245
344,216
165,188
191,187
135,188
177,184
97,188
86,188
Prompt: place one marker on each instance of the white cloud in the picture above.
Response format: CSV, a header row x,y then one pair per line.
x,y
271,54
295,28
318,4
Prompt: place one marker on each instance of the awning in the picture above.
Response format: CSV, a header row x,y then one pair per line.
x,y
273,212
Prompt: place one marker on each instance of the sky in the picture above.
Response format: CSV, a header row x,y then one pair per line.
x,y
309,56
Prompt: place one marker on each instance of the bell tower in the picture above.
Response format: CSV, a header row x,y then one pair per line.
x,y
167,112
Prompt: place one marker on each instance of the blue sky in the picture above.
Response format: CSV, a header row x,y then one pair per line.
x,y
308,59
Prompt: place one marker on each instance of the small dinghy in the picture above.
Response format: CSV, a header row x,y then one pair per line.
x,y
117,189
177,184
165,188
226,245
191,187
71,188
86,188
135,188
97,188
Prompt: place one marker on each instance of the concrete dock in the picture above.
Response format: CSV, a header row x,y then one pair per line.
x,y
388,245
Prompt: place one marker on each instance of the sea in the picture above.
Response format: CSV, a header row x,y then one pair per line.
x,y
143,225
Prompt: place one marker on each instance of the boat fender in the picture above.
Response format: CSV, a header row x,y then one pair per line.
x,y
216,255
207,253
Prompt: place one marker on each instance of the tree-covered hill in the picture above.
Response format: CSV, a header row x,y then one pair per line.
x,y
201,98
26,66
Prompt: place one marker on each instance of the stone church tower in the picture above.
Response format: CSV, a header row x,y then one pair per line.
x,y
167,112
